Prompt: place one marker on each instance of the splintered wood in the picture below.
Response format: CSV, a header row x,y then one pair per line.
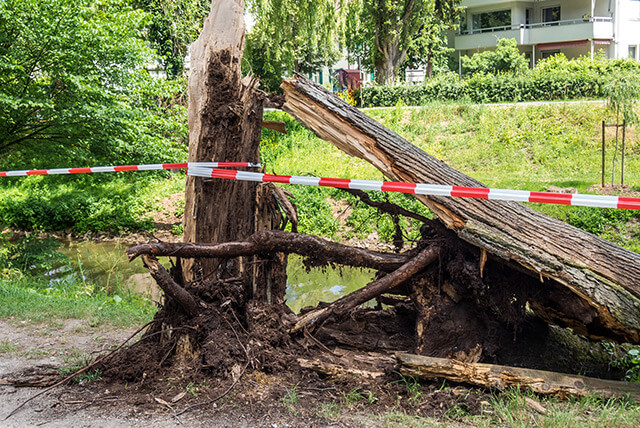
x,y
599,281
499,377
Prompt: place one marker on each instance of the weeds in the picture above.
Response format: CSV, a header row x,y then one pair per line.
x,y
6,346
76,362
357,395
290,398
413,387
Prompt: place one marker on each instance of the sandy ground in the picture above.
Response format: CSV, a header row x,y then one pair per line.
x,y
25,346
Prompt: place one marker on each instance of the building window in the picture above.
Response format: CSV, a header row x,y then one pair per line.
x,y
528,16
547,54
633,52
551,14
498,18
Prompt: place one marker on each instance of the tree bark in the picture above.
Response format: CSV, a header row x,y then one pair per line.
x,y
225,118
602,278
265,242
494,376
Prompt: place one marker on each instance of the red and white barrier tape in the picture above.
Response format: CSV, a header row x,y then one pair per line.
x,y
148,167
428,189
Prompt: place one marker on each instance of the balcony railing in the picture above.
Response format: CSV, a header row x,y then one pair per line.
x,y
536,25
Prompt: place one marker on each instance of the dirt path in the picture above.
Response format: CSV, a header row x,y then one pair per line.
x,y
24,346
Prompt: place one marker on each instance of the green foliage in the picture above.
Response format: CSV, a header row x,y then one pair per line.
x,y
633,373
174,25
290,35
385,34
31,255
506,58
555,78
80,204
622,94
72,86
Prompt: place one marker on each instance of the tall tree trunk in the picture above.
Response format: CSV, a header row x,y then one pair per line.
x,y
385,74
225,116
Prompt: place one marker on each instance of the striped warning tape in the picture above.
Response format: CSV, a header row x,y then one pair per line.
x,y
148,167
427,189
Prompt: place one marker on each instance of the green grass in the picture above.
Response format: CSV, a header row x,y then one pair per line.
x,y
7,347
502,409
511,409
33,300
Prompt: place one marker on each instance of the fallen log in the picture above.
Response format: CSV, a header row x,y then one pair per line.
x,y
599,281
499,377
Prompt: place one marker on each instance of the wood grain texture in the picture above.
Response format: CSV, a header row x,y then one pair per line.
x,y
603,275
499,377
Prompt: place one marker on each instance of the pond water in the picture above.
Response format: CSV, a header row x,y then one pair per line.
x,y
106,265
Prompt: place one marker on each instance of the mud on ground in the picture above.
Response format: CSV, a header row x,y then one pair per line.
x,y
279,398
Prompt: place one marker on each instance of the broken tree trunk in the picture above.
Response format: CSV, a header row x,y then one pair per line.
x,y
225,119
499,377
599,281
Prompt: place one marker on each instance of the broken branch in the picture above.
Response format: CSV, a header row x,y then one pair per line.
x,y
341,306
170,287
270,241
386,207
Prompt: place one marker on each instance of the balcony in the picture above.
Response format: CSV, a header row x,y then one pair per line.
x,y
542,32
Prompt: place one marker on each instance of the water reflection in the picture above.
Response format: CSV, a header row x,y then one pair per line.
x,y
321,284
106,265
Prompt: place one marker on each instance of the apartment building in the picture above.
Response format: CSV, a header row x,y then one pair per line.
x,y
543,28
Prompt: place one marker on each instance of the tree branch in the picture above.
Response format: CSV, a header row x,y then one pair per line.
x,y
341,306
319,250
169,286
386,207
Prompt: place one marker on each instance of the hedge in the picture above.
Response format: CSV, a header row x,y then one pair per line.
x,y
553,79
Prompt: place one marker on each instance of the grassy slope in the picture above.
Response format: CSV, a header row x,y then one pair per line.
x,y
514,147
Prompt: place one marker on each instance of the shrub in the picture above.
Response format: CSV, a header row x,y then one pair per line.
x,y
555,78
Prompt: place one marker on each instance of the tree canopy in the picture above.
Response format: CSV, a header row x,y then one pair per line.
x,y
173,26
389,30
73,84
292,35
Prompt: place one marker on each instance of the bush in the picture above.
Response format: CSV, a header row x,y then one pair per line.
x,y
506,58
555,78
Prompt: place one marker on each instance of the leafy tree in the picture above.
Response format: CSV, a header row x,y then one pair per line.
x,y
392,28
506,58
292,35
174,25
429,47
622,92
73,87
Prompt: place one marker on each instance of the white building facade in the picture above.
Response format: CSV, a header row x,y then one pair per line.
x,y
543,28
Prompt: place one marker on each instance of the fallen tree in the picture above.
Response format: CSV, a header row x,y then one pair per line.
x,y
467,287
593,285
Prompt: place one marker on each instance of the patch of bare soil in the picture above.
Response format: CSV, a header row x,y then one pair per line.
x,y
616,189
272,394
